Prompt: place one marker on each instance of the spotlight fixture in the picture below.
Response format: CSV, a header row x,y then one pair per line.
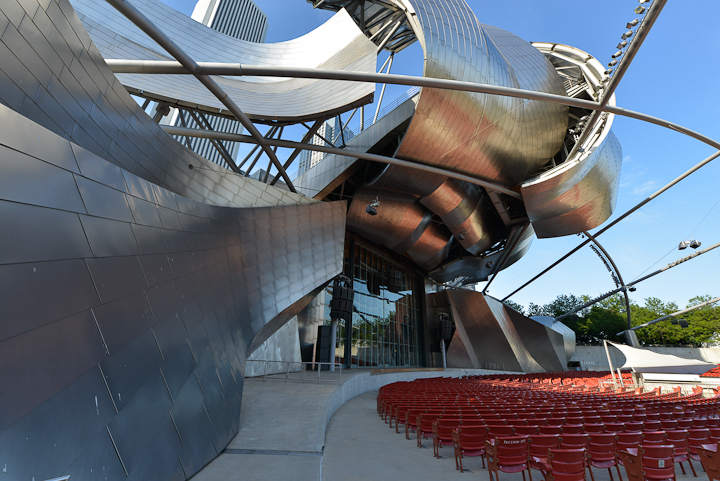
x,y
461,236
683,323
608,71
372,208
617,54
643,1
612,63
627,34
632,24
695,244
639,10
632,288
683,245
622,44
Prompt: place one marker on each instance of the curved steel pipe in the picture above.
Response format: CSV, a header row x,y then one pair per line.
x,y
617,271
158,67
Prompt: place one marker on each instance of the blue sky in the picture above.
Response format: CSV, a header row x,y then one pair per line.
x,y
674,76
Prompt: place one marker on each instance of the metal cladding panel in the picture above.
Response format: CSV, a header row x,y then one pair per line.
x,y
496,138
37,364
38,293
489,335
483,336
52,78
45,443
98,459
265,98
536,339
68,239
578,196
133,428
140,315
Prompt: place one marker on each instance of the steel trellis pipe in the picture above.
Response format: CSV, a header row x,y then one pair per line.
x,y
142,22
617,271
236,69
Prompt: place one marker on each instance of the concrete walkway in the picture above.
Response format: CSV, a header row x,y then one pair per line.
x,y
282,424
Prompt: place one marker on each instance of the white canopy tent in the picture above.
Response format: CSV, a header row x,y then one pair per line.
x,y
643,360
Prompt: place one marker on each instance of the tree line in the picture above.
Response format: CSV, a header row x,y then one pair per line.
x,y
608,317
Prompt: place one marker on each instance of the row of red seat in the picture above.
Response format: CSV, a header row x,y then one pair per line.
x,y
465,413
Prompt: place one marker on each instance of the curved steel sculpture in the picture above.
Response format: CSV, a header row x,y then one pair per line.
x,y
135,281
287,100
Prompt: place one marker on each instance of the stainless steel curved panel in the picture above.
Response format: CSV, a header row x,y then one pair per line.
x,y
581,193
467,213
399,223
432,248
132,305
66,87
338,44
500,139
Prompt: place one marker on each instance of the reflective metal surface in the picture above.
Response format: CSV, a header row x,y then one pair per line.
x,y
495,138
489,335
279,99
581,193
128,314
56,77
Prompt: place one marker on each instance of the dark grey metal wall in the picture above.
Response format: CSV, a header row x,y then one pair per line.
x,y
126,310
52,73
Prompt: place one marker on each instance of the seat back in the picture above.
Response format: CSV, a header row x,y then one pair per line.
x,y
530,429
632,461
567,464
497,431
634,427
668,424
658,461
653,437
573,441
512,451
594,428
539,444
550,429
652,425
614,427
628,440
601,447
572,429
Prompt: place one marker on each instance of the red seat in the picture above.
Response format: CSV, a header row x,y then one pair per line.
x,y
679,439
652,425
602,454
699,423
658,462
468,442
668,424
538,449
496,431
634,427
625,441
573,441
550,429
712,422
530,429
565,465
696,438
714,434
684,423
614,427
556,421
507,454
653,437
710,460
425,426
442,433
572,429
594,428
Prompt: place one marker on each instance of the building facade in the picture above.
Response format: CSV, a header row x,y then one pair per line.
x,y
328,132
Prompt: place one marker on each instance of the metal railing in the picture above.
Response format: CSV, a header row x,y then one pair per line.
x,y
300,371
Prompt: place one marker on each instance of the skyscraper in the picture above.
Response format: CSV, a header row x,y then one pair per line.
x,y
241,19
328,131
